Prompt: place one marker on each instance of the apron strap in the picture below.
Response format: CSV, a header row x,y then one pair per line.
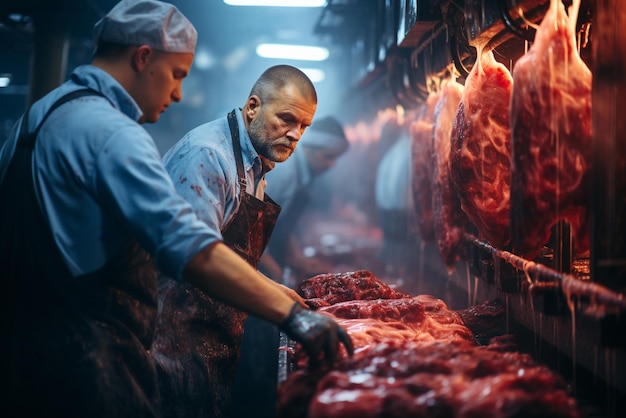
x,y
27,139
234,135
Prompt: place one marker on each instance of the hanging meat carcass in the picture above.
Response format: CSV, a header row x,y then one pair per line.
x,y
480,159
422,164
449,219
551,133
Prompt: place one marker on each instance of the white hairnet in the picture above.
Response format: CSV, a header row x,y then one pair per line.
x,y
326,133
147,22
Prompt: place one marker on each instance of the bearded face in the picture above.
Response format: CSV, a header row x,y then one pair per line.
x,y
269,140
276,125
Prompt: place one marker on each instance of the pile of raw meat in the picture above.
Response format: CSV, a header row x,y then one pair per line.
x,y
414,357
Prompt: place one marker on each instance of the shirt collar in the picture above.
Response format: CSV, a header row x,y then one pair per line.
x,y
102,82
251,159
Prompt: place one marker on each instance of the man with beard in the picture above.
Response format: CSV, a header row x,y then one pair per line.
x,y
219,167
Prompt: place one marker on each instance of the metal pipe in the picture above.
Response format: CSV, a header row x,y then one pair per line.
x,y
570,285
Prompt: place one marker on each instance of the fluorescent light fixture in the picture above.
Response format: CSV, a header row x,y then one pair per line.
x,y
315,74
5,80
292,52
279,3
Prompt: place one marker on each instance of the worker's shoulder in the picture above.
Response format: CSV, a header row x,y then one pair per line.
x,y
205,143
213,135
99,119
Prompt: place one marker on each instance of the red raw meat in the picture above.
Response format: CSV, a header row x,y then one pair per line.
x,y
551,132
449,219
415,358
422,167
409,379
330,288
369,323
480,162
404,309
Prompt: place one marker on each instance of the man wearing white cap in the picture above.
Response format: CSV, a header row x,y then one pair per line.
x,y
86,212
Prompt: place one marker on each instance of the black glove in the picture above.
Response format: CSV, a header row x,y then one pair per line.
x,y
316,332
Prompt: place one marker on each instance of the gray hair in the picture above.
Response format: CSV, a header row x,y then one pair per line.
x,y
275,78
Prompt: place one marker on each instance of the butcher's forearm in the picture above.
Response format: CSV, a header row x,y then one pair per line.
x,y
268,264
220,272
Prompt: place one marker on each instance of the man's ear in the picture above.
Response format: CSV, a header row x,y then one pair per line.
x,y
253,106
141,56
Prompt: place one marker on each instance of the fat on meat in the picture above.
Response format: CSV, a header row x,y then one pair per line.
x,y
449,219
480,159
551,136
421,131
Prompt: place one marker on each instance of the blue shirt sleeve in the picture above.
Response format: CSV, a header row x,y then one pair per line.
x,y
203,177
142,196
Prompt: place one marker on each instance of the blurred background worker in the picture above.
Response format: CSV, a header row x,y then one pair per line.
x,y
394,203
290,184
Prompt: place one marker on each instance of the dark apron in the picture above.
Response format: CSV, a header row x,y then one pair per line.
x,y
72,346
198,338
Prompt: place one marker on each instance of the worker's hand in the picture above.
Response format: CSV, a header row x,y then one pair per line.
x,y
317,333
293,295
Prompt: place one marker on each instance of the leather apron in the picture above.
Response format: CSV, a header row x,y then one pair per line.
x,y
198,338
72,346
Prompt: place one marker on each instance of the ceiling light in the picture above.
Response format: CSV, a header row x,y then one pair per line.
x,y
5,80
204,59
315,74
293,52
280,3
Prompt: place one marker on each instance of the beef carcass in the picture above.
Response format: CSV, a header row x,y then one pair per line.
x,y
551,133
449,219
480,160
422,165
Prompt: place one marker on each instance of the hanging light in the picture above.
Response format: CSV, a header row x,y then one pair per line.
x,y
277,3
315,74
5,80
293,52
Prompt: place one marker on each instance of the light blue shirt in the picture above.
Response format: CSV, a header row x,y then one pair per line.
x,y
100,180
203,168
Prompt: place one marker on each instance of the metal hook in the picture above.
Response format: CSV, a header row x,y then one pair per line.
x,y
411,83
513,26
456,57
